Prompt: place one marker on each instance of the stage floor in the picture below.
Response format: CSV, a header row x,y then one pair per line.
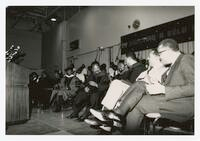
x,y
46,122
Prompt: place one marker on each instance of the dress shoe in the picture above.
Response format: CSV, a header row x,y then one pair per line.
x,y
115,126
114,116
103,132
101,115
106,128
105,115
93,122
109,118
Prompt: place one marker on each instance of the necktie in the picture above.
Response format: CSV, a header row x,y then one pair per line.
x,y
164,76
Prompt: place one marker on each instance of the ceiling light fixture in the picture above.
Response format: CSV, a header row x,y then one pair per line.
x,y
53,19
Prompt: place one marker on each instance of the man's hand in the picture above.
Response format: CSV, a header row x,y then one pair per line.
x,y
87,89
92,83
154,89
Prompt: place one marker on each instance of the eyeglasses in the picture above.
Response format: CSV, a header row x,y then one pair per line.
x,y
159,52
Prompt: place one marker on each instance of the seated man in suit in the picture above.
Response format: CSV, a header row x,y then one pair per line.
x,y
121,69
118,87
91,95
152,75
173,99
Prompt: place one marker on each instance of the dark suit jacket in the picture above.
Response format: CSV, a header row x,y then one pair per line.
x,y
102,80
178,103
133,72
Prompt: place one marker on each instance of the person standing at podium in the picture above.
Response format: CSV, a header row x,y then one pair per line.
x,y
33,91
44,92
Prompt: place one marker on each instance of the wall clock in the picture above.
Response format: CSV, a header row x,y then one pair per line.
x,y
136,24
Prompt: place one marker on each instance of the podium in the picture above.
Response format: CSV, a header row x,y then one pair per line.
x,y
17,94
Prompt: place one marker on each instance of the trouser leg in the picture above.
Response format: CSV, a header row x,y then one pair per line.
x,y
54,92
79,102
148,104
94,100
133,121
131,97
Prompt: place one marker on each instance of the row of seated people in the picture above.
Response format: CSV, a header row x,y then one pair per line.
x,y
98,83
166,87
45,91
75,85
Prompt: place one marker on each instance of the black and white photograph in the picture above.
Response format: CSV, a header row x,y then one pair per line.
x,y
102,70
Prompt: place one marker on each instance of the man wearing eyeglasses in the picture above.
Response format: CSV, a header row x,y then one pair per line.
x,y
173,98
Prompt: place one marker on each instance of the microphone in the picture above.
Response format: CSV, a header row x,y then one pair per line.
x,y
12,46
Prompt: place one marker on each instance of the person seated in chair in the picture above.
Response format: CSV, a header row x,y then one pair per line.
x,y
95,88
118,87
121,69
151,75
81,73
65,88
173,98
